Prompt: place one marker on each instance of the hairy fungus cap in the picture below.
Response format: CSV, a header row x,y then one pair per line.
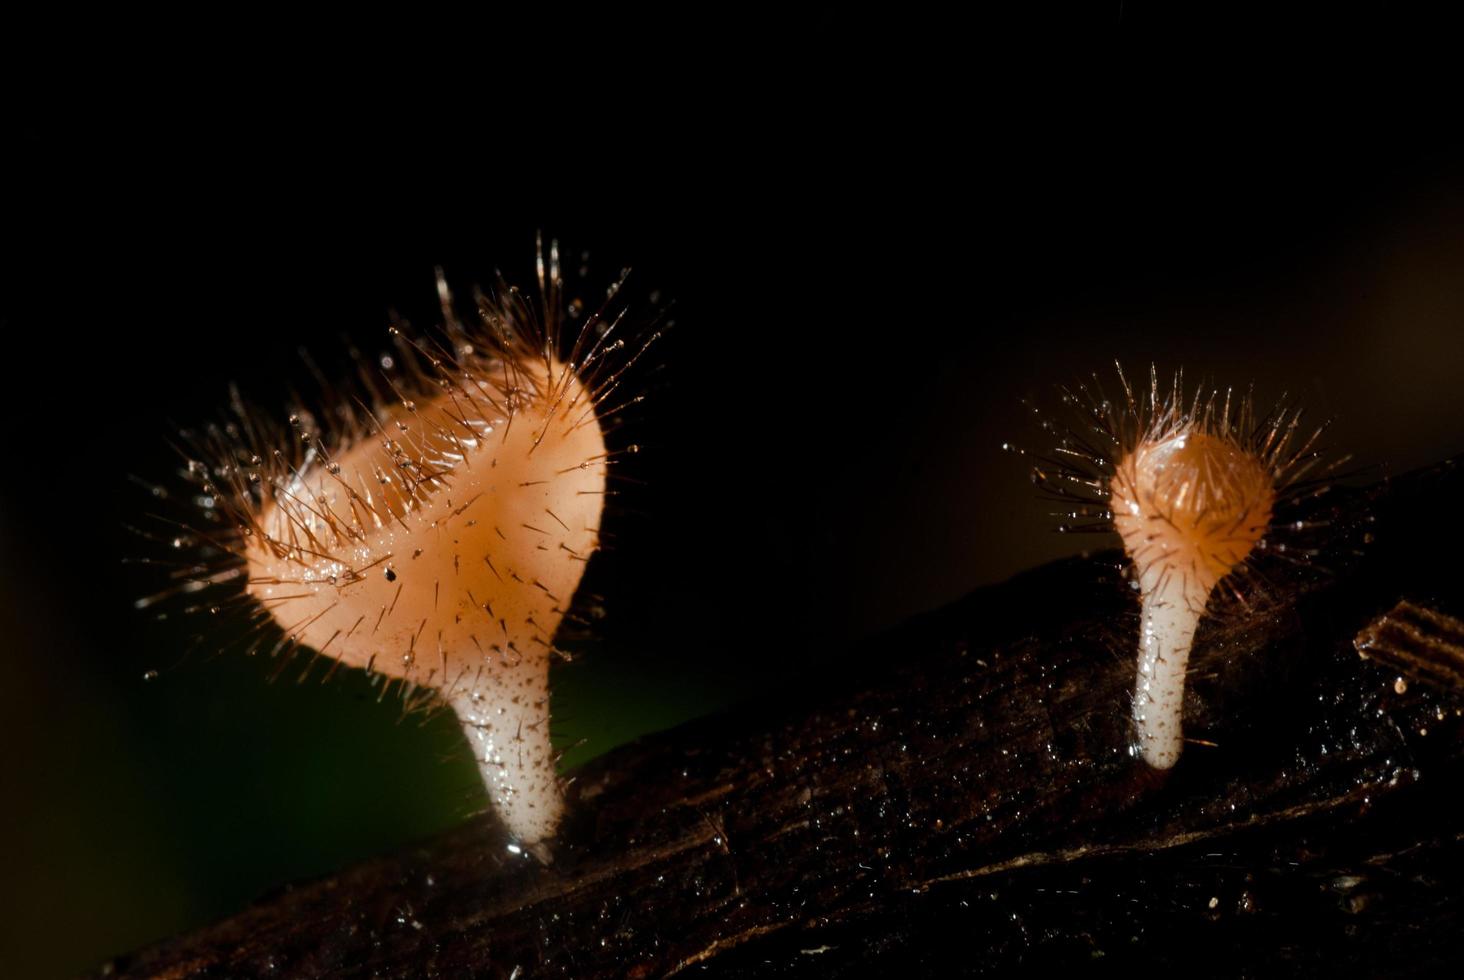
x,y
447,547
1191,505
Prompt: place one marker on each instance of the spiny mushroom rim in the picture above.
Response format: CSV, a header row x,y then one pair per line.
x,y
436,535
1201,493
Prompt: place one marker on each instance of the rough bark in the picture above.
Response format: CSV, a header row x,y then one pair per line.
x,y
959,797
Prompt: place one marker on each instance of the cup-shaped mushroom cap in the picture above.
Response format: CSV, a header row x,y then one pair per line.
x,y
1192,505
450,540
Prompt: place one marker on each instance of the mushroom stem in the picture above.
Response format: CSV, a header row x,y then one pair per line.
x,y
505,717
1170,613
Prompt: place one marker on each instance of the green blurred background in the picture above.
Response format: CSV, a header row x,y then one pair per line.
x,y
878,240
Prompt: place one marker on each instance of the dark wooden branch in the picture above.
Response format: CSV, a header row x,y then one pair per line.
x,y
1418,642
959,797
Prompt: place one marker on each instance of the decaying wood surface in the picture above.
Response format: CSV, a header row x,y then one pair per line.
x,y
959,797
1420,643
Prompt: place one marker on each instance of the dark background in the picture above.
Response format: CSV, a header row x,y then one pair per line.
x,y
879,234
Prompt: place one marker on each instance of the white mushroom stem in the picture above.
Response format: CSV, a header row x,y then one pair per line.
x,y
506,720
1170,613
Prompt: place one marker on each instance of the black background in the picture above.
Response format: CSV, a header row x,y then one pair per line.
x,y
880,232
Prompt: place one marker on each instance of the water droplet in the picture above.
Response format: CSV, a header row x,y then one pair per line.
x,y
150,675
